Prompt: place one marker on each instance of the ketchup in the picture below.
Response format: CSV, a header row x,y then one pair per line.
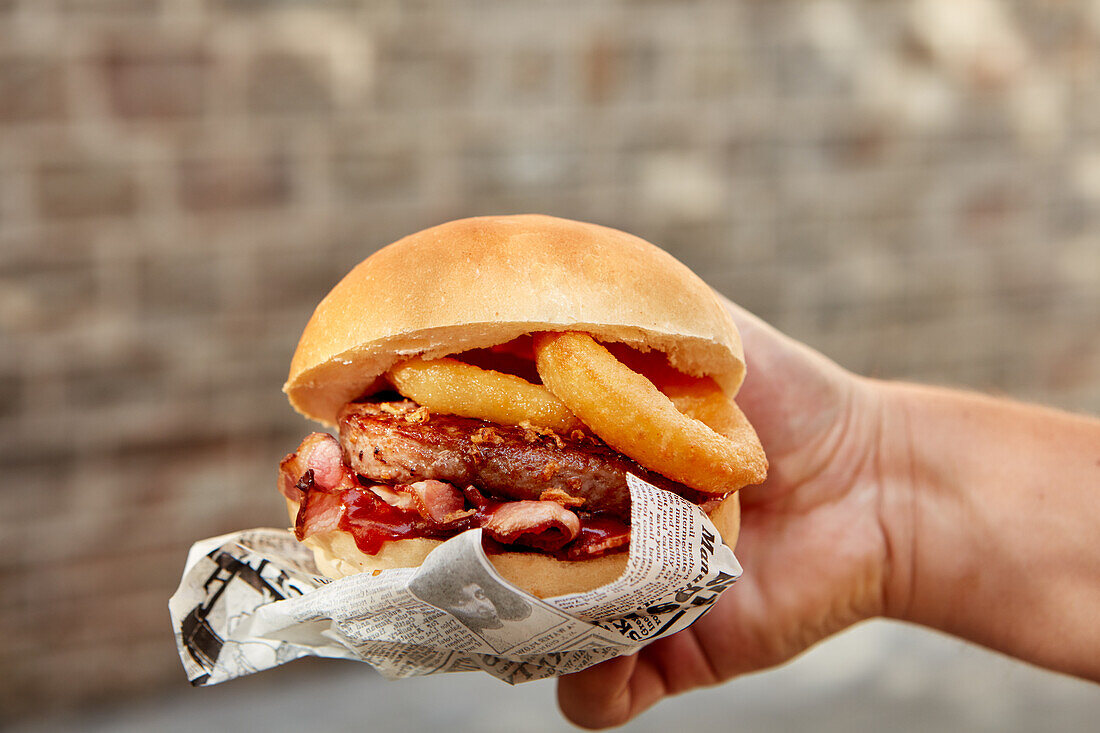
x,y
603,531
373,522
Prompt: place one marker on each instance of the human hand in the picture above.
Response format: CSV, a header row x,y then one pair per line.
x,y
812,539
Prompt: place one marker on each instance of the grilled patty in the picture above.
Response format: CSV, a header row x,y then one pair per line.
x,y
395,442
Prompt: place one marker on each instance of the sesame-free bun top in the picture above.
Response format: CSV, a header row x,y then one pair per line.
x,y
478,282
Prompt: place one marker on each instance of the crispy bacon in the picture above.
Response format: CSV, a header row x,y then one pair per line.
x,y
545,525
319,512
438,502
399,499
319,453
478,499
598,536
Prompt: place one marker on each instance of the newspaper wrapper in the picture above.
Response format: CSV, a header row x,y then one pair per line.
x,y
253,600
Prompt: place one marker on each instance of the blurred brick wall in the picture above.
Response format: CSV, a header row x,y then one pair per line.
x,y
912,187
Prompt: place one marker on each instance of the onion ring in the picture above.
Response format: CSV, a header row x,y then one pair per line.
x,y
697,397
453,387
629,413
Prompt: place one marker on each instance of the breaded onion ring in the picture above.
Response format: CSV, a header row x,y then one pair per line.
x,y
630,414
453,387
697,397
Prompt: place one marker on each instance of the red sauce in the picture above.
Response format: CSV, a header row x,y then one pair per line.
x,y
373,522
599,530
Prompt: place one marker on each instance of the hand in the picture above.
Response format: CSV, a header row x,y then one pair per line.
x,y
812,539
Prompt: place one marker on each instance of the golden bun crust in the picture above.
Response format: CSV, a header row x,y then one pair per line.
x,y
545,577
477,282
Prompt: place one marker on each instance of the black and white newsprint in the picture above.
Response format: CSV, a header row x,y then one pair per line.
x,y
253,600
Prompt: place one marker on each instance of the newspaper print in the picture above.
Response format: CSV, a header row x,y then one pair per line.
x,y
253,600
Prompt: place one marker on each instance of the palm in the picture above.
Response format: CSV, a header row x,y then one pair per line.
x,y
810,539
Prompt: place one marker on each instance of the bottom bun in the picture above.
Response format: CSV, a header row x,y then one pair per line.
x,y
337,556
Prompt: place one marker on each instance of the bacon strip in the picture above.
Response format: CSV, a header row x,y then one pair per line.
x,y
319,512
437,502
546,525
598,537
316,477
321,454
397,499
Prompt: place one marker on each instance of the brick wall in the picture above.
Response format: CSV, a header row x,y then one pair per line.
x,y
912,187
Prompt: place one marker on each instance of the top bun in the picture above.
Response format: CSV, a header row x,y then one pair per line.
x,y
478,282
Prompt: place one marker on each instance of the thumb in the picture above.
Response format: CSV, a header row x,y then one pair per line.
x,y
600,696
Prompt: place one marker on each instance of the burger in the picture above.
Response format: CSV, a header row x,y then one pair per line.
x,y
508,373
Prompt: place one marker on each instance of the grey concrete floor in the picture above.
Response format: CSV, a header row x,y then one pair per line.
x,y
877,677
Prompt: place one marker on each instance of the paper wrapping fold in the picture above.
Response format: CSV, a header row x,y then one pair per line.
x,y
253,600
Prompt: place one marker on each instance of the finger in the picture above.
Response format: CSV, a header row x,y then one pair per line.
x,y
600,696
613,692
680,663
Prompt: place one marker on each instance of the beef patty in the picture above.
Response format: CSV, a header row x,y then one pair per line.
x,y
397,442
